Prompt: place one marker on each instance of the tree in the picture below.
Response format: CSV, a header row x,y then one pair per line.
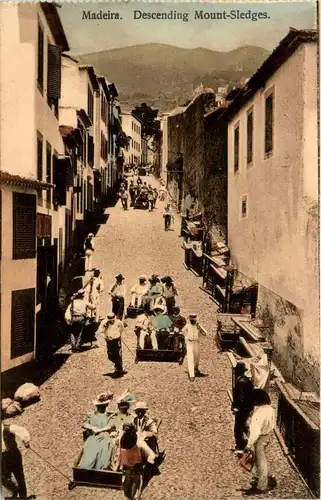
x,y
148,118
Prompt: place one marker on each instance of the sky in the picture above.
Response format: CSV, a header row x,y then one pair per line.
x,y
87,36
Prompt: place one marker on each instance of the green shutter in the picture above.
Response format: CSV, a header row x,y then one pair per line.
x,y
54,72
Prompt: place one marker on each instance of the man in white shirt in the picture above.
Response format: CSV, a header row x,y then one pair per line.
x,y
118,296
192,331
143,327
112,329
89,248
93,289
262,424
11,459
75,316
138,291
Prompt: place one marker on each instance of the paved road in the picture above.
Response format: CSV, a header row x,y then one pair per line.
x,y
196,419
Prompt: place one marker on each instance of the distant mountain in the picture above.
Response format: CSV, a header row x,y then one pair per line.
x,y
163,75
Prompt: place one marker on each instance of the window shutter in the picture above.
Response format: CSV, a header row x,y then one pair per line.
x,y
24,226
90,150
0,224
22,322
40,56
60,177
54,72
39,158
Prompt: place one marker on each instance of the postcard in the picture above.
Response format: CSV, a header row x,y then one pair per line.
x,y
159,250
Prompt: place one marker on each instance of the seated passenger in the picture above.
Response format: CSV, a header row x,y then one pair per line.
x,y
138,291
155,290
145,426
99,445
142,328
160,320
169,293
178,320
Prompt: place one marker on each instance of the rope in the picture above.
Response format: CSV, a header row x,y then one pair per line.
x,y
46,461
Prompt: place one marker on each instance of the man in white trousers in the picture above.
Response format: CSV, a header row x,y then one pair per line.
x,y
93,289
191,332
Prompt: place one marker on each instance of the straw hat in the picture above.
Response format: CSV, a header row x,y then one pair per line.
x,y
141,405
103,399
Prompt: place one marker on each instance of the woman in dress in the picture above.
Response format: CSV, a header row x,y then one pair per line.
x,y
101,436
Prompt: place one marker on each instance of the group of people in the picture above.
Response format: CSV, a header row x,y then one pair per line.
x,y
254,423
119,437
138,192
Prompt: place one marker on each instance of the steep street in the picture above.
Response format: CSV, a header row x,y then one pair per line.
x,y
197,424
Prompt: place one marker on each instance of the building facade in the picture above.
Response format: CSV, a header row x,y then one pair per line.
x,y
31,258
133,129
273,201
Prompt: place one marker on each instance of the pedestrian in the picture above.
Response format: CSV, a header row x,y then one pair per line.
x,y
261,427
155,197
242,405
75,316
191,332
162,193
168,217
138,291
124,198
150,199
139,181
89,247
169,293
93,289
132,192
112,329
118,295
11,458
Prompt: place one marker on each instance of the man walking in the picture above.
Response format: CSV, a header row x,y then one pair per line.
x,y
124,198
112,329
75,316
261,427
11,458
93,290
242,405
168,217
89,247
118,294
192,331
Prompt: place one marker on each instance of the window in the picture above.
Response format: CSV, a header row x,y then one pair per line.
x,y
39,157
40,57
54,76
236,147
90,104
22,322
48,172
268,139
244,207
249,150
24,226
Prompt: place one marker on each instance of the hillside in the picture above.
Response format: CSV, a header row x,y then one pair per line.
x,y
162,74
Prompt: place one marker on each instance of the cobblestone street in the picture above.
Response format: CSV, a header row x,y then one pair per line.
x,y
197,424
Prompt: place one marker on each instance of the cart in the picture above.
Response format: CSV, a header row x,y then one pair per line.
x,y
98,478
227,334
164,354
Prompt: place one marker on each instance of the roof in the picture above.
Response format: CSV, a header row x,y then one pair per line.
x,y
104,85
214,113
67,56
17,180
113,89
285,49
53,19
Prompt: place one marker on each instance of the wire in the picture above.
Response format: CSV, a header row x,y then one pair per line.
x,y
46,461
